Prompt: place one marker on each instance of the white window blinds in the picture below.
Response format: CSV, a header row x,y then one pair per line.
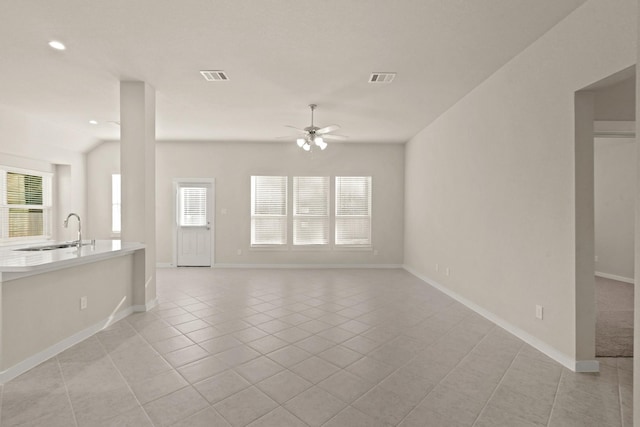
x,y
25,205
310,210
116,204
268,210
193,206
353,211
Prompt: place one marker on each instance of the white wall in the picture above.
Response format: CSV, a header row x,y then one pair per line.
x,y
490,184
615,183
102,162
231,165
616,102
31,144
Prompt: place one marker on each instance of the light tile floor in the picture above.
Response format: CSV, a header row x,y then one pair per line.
x,y
310,348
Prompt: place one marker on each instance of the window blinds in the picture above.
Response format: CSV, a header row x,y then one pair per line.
x,y
310,210
268,210
26,205
353,211
193,206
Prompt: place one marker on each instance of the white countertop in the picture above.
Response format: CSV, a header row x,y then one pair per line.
x,y
34,262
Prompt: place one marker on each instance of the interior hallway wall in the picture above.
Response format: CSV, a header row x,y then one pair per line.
x,y
490,184
615,178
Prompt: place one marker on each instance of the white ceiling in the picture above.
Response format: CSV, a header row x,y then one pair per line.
x,y
280,55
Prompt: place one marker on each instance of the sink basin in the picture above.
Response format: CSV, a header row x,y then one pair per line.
x,y
48,247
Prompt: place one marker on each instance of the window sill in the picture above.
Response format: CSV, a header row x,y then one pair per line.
x,y
268,248
347,248
22,242
311,248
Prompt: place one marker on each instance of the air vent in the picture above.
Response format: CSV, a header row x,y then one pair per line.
x,y
214,75
382,77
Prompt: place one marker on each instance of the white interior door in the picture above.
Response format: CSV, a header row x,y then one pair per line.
x,y
194,224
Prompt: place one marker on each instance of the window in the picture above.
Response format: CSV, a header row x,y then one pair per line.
x,y
25,204
268,210
193,206
116,204
353,211
310,210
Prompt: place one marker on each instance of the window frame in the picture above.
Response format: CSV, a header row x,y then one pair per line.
x,y
364,246
283,217
203,209
301,216
46,206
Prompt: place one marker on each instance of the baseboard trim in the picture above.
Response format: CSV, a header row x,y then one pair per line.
x,y
587,366
615,277
59,347
145,307
558,356
164,265
310,266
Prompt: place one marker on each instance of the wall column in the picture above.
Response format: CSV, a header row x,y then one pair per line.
x,y
584,233
138,170
636,275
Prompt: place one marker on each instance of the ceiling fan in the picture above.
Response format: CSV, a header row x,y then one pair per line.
x,y
315,136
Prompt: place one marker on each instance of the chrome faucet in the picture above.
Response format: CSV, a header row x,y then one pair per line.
x,y
66,224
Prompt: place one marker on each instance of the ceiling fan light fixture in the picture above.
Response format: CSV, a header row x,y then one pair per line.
x,y
55,44
314,136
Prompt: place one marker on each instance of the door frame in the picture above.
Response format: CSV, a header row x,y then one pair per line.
x,y
212,209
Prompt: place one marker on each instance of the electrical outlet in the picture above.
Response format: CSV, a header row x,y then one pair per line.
x,y
239,251
596,258
447,271
83,303
539,312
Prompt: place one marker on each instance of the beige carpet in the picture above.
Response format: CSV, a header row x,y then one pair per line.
x,y
614,318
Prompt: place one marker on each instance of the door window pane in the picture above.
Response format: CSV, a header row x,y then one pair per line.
x,y
193,207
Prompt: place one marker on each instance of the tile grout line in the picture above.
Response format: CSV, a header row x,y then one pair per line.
x,y
498,385
228,368
175,369
122,376
620,395
451,370
286,368
555,397
66,389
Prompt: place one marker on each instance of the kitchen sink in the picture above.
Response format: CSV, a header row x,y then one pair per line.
x,y
48,247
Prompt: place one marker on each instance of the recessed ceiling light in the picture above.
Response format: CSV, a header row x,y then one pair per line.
x,y
57,45
93,122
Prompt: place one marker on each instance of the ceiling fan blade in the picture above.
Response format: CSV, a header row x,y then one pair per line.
x,y
335,137
298,129
327,129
